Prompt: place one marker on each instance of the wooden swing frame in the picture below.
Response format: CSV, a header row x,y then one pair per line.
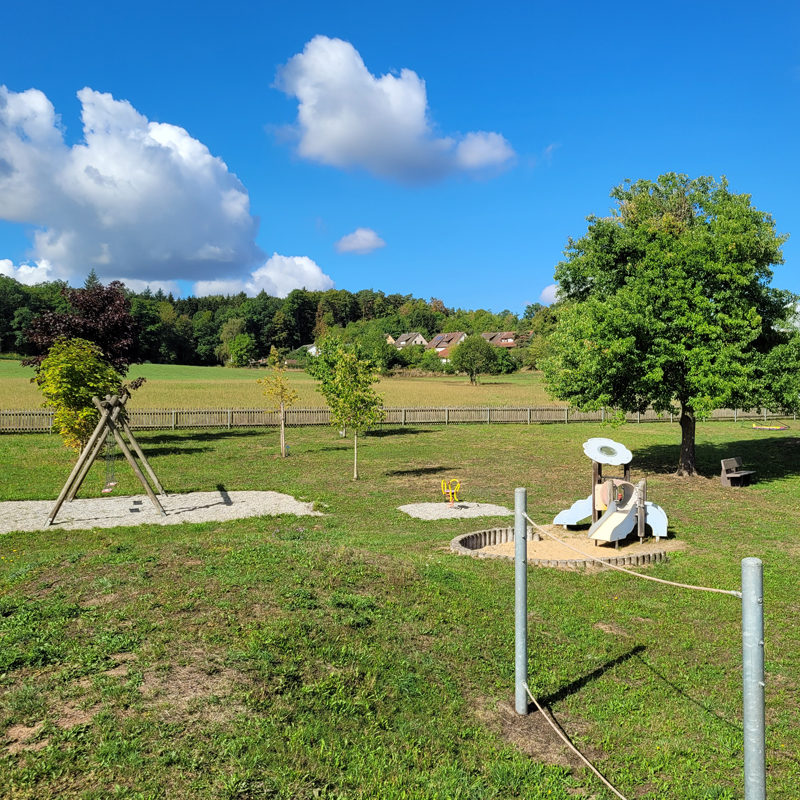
x,y
112,420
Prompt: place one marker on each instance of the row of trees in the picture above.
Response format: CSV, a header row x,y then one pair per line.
x,y
236,328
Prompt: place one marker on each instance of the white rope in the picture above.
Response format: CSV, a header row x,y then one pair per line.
x,y
570,745
629,571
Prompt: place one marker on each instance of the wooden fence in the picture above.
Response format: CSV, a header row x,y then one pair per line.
x,y
41,420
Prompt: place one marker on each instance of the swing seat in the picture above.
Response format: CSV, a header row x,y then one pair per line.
x,y
108,488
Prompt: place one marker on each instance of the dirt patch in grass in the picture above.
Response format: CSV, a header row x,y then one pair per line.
x,y
531,734
19,738
102,600
611,628
201,688
70,715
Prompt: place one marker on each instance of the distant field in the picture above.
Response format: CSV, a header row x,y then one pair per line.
x,y
217,387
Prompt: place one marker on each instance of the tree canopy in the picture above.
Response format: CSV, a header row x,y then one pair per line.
x,y
73,372
474,355
98,314
667,303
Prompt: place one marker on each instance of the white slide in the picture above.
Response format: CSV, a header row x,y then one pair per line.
x,y
656,518
614,524
579,510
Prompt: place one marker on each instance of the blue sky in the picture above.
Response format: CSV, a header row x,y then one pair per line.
x,y
497,129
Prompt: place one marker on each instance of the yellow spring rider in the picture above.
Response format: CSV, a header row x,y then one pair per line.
x,y
450,489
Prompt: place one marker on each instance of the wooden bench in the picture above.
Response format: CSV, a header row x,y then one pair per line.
x,y
733,474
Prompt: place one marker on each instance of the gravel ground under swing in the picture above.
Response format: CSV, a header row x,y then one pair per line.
x,y
457,511
113,512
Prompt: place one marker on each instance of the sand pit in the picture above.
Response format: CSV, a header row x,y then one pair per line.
x,y
113,512
456,511
548,549
499,543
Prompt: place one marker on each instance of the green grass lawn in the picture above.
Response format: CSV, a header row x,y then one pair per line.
x,y
352,655
175,386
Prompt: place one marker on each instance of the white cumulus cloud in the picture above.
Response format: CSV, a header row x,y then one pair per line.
x,y
347,117
25,273
134,198
361,241
277,277
548,295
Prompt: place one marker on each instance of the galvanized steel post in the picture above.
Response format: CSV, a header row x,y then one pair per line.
x,y
755,765
521,599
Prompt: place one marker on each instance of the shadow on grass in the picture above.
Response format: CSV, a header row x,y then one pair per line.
x,y
200,436
173,450
773,458
577,685
402,431
701,705
419,470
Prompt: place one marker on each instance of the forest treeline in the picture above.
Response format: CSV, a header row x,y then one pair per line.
x,y
236,328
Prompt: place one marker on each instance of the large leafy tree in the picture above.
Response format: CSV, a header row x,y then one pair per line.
x,y
667,302
345,381
474,355
98,314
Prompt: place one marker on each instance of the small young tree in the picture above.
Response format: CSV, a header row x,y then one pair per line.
x,y
277,389
346,379
71,374
474,355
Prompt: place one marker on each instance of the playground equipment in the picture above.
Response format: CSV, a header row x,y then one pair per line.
x,y
615,505
112,423
450,489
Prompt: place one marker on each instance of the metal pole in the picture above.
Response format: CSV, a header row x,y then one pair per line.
x,y
521,599
755,764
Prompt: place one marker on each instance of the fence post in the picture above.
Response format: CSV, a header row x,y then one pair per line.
x,y
404,416
488,415
603,414
50,428
529,415
755,765
638,417
765,415
521,600
229,419
566,415
447,416
173,420
735,415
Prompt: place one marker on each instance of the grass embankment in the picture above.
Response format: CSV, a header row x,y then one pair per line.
x,y
219,387
353,656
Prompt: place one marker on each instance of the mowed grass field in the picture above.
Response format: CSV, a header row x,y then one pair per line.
x,y
353,656
219,387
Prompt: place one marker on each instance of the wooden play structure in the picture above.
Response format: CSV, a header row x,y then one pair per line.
x,y
112,423
616,506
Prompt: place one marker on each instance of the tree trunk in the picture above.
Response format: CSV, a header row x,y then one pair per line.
x,y
355,455
283,432
687,465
